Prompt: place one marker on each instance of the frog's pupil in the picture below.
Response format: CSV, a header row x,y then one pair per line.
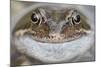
x,y
77,18
34,18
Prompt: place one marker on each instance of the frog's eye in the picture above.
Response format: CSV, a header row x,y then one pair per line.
x,y
73,17
35,18
76,19
39,16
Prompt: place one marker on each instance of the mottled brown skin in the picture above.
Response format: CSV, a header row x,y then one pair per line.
x,y
43,30
71,30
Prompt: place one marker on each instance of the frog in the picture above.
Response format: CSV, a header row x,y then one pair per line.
x,y
52,34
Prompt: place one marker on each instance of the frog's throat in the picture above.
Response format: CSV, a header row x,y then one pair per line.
x,y
51,52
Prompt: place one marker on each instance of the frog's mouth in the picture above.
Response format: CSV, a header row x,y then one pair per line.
x,y
64,37
57,37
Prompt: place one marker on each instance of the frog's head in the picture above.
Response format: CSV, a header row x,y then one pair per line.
x,y
54,25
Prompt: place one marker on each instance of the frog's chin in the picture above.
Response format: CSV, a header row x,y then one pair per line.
x,y
56,52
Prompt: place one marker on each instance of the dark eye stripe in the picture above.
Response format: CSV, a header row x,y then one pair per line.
x,y
38,21
73,21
